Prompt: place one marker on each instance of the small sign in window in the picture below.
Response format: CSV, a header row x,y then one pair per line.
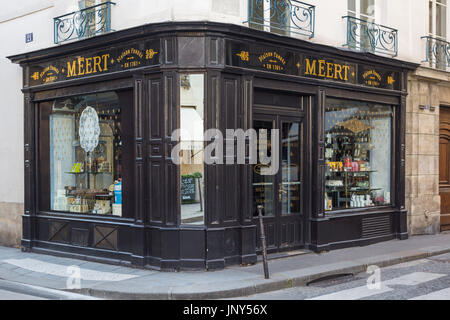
x,y
29,37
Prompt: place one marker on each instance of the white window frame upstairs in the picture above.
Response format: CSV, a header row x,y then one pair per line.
x,y
435,4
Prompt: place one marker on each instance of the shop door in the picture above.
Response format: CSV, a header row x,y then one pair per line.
x,y
444,167
280,194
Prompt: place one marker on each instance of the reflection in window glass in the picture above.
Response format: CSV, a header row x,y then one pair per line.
x,y
358,154
290,180
85,154
263,185
192,168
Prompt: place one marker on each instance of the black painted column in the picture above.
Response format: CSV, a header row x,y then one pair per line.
x,y
248,228
138,238
319,223
28,224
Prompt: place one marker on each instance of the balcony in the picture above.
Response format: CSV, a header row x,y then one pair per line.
x,y
367,36
284,17
438,53
82,24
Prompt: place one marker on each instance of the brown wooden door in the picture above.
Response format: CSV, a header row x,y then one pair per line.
x,y
444,167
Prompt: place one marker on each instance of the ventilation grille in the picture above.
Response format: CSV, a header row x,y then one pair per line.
x,y
376,227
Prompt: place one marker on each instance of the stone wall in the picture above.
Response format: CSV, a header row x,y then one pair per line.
x,y
10,224
427,87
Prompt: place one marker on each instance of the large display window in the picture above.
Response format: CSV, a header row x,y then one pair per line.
x,y
192,190
358,154
81,155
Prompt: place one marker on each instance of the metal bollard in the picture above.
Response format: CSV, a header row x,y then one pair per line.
x,y
263,242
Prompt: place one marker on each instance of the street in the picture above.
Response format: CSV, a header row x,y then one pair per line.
x,y
17,291
426,279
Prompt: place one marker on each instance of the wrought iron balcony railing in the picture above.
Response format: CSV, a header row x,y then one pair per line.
x,y
438,53
371,37
84,23
282,16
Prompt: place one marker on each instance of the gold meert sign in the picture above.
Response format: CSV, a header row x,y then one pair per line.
x,y
84,66
80,66
325,69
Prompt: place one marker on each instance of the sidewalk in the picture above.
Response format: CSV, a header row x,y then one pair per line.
x,y
118,282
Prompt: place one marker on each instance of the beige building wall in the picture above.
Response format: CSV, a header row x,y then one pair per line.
x,y
428,88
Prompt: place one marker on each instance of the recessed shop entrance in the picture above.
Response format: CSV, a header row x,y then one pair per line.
x,y
278,187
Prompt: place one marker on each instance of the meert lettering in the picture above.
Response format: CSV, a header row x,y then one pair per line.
x,y
83,66
324,69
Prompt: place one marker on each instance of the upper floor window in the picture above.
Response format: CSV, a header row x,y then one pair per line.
x,y
437,47
92,15
93,18
282,16
362,9
438,19
83,4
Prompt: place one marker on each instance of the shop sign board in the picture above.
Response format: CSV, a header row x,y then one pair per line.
x,y
113,59
289,62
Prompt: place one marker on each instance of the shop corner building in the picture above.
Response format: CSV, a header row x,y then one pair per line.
x,y
364,132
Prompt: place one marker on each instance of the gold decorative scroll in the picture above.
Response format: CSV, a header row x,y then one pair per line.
x,y
355,125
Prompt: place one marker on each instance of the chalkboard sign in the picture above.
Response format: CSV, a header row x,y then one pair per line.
x,y
187,189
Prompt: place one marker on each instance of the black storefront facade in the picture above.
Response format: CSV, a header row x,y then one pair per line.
x,y
336,111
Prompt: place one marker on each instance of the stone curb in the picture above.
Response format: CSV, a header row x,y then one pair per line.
x,y
270,285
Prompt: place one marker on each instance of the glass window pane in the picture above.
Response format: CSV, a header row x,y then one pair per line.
x,y
290,161
431,17
351,5
256,14
84,137
263,185
367,8
441,21
192,167
358,154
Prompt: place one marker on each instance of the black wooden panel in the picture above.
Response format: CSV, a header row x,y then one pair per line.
x,y
153,239
277,98
192,244
105,237
59,231
246,176
191,51
213,199
170,244
230,119
214,51
232,240
169,47
270,233
80,237
156,191
215,245
138,152
156,109
170,123
156,197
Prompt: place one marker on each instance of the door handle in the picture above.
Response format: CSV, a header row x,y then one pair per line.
x,y
280,193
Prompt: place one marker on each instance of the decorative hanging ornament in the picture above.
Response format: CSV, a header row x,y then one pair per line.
x,y
89,130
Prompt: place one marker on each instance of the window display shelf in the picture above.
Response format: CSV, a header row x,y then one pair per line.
x,y
351,172
91,172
